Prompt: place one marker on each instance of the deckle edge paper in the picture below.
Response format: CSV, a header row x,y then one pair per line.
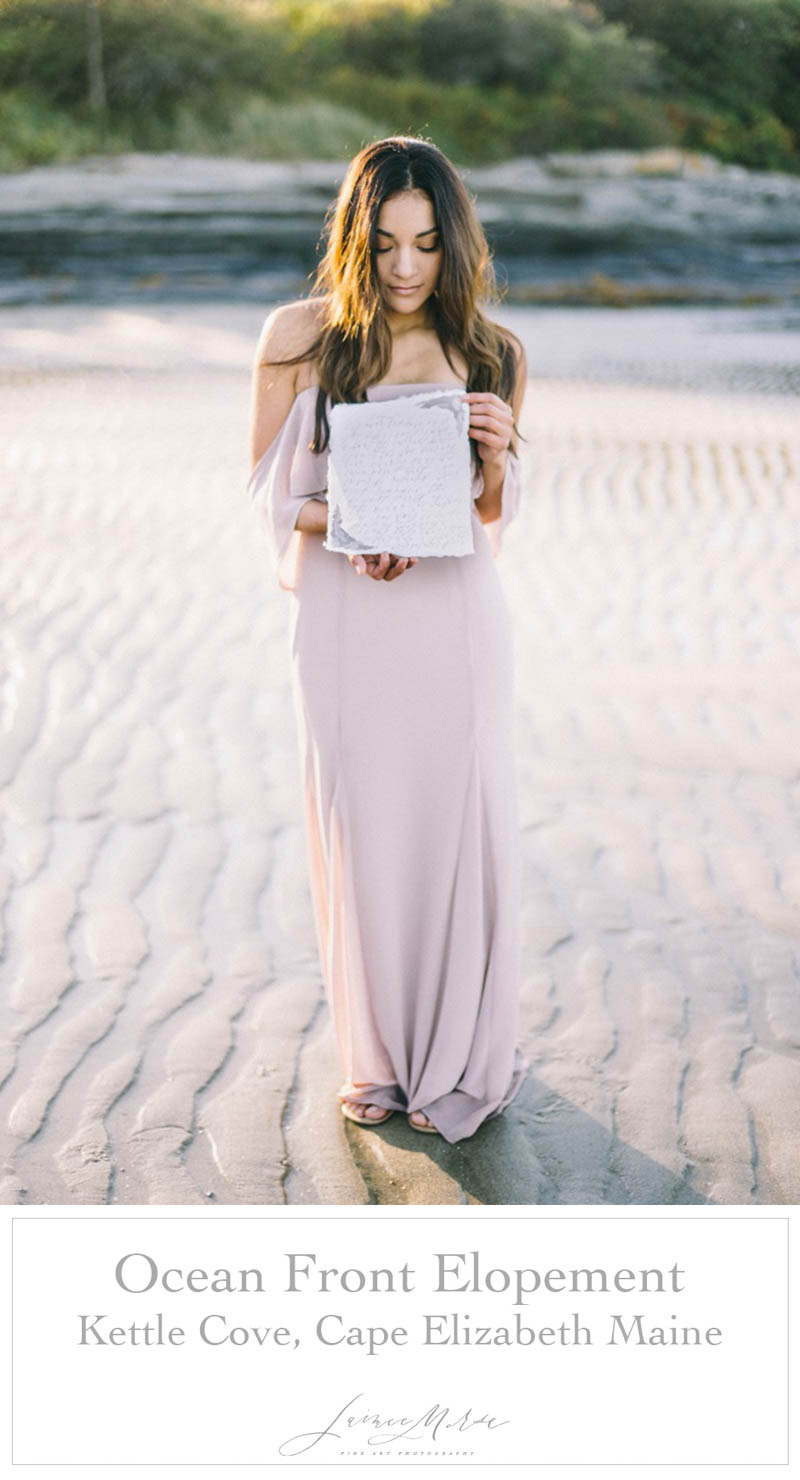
x,y
383,456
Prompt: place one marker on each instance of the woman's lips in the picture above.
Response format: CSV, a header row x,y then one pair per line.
x,y
415,289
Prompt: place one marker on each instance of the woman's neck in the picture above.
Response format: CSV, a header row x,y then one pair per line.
x,y
401,324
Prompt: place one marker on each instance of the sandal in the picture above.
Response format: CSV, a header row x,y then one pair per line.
x,y
350,1113
427,1130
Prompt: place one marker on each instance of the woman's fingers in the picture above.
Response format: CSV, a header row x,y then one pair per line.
x,y
491,421
491,418
383,567
388,566
362,564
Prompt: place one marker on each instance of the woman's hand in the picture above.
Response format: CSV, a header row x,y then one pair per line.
x,y
383,567
491,423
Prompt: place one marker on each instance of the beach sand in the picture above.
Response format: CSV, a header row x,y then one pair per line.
x,y
164,1037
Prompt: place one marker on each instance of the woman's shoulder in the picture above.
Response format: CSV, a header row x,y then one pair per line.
x,y
298,318
511,340
284,367
289,332
516,369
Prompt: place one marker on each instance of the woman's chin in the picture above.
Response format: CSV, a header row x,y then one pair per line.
x,y
406,303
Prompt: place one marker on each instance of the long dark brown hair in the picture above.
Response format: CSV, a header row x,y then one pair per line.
x,y
354,344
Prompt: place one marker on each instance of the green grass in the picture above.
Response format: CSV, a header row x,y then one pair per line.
x,y
259,129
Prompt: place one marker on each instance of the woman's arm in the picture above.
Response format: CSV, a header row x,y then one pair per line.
x,y
286,331
273,387
313,516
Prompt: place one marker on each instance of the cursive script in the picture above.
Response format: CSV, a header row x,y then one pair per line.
x,y
387,1429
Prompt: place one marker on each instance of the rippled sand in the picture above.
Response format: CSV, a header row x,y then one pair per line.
x,y
163,1033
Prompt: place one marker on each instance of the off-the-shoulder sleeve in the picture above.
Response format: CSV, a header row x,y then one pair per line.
x,y
511,500
283,479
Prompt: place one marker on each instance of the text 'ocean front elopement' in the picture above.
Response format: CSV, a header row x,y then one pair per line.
x,y
452,1274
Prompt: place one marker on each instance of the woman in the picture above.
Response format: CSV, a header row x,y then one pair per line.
x,y
404,698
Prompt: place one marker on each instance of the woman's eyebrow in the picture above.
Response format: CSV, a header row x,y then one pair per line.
x,y
380,231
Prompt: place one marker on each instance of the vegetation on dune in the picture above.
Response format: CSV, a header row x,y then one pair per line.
x,y
486,79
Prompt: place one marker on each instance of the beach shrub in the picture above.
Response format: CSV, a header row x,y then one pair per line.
x,y
156,54
759,140
485,78
259,129
732,59
34,132
489,43
467,122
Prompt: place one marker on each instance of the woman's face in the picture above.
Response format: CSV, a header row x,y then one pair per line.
x,y
408,251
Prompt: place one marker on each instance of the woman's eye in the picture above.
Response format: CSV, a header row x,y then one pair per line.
x,y
379,251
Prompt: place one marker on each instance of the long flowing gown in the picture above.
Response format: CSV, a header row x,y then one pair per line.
x,y
403,696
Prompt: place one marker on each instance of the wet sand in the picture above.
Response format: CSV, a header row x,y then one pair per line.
x,y
163,1031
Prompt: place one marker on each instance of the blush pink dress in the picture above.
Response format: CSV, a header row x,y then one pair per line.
x,y
403,696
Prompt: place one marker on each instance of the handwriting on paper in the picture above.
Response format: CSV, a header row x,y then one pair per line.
x,y
399,476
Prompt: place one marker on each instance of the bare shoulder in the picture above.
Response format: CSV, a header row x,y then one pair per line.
x,y
280,372
520,362
287,333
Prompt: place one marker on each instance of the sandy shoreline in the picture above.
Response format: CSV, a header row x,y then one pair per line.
x,y
163,1034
